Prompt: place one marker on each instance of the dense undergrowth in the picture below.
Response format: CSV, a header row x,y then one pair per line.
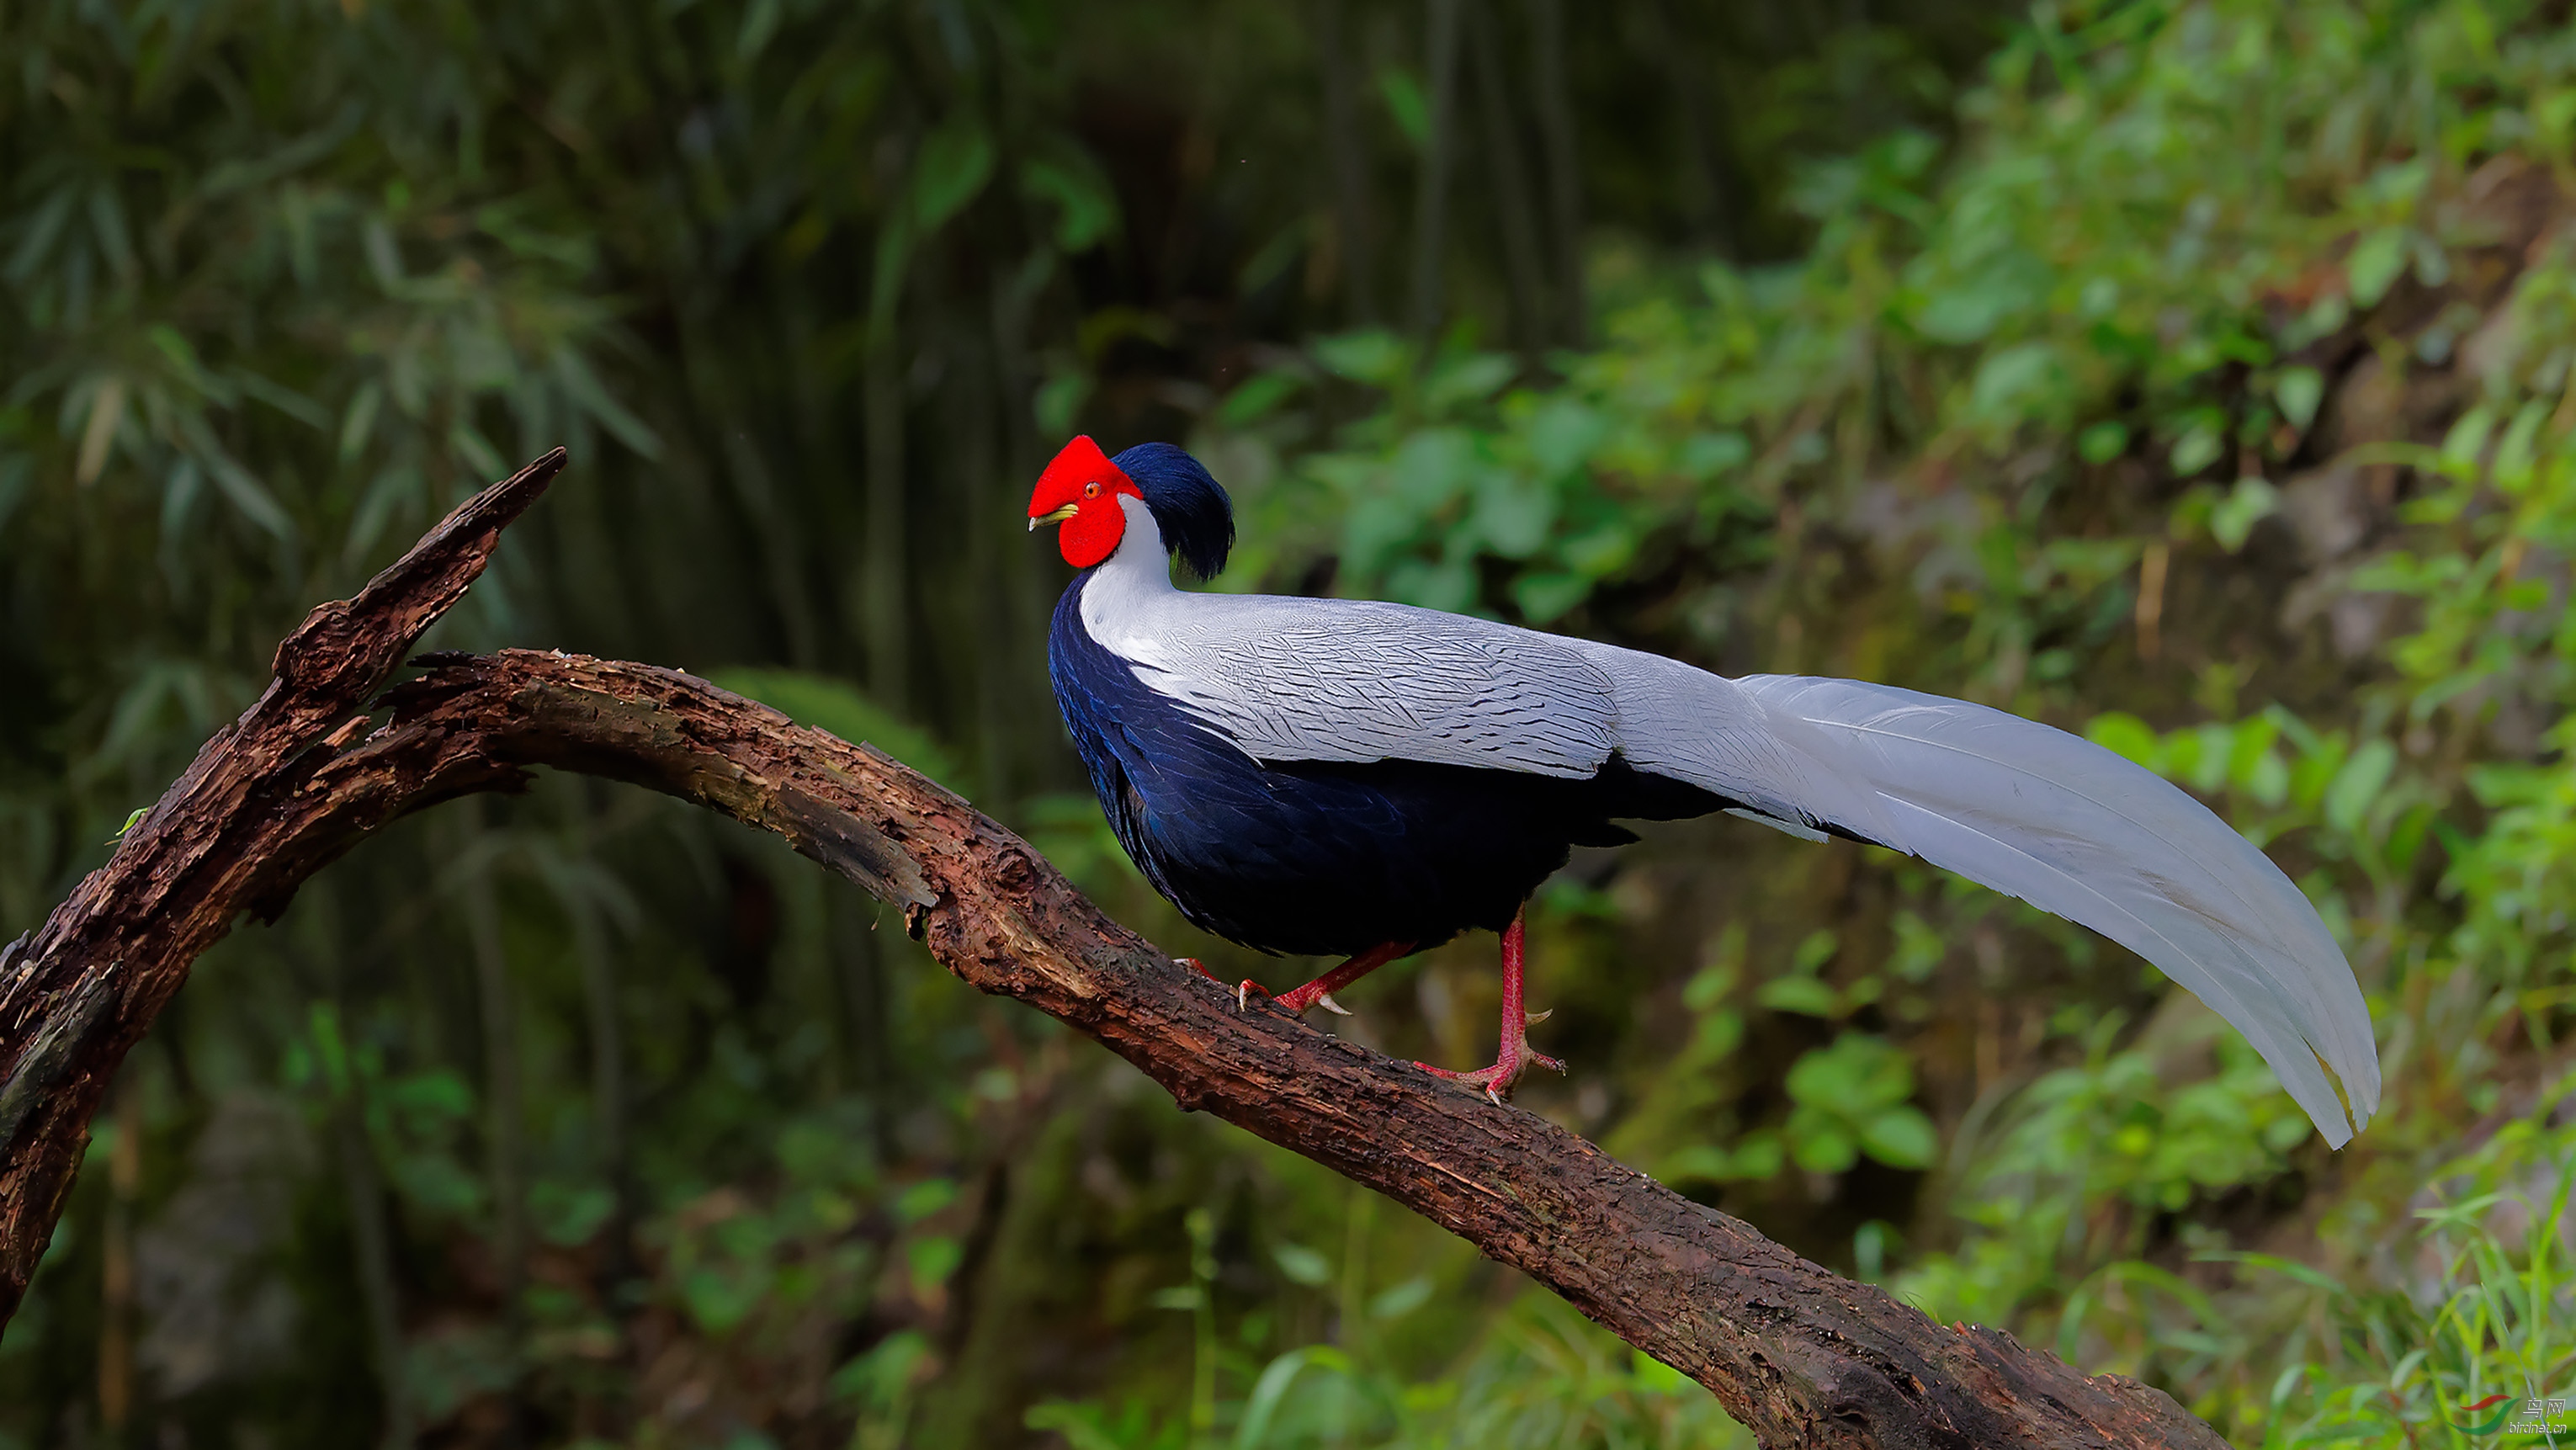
x,y
2222,379
2208,391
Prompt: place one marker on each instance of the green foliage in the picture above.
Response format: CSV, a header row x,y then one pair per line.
x,y
843,709
1854,1097
1543,1378
2106,343
2206,390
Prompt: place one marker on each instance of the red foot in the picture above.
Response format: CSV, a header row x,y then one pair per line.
x,y
1319,992
1498,1079
1515,1056
1243,990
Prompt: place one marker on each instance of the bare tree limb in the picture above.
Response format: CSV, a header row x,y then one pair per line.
x,y
1803,1357
79,991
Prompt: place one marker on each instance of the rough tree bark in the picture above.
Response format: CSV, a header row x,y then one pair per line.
x,y
1801,1356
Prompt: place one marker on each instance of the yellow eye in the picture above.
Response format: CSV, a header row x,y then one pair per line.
x,y
1091,490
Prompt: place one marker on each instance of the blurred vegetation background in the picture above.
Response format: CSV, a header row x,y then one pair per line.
x,y
2196,375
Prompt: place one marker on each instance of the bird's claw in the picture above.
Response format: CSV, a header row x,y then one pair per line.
x,y
1498,1079
1243,990
1532,1019
1516,1057
1326,1002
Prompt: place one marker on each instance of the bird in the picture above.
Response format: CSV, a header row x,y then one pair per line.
x,y
1363,779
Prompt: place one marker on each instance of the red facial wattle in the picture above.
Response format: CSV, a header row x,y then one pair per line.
x,y
1081,489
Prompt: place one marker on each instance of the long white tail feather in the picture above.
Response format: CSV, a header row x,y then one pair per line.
x,y
2036,813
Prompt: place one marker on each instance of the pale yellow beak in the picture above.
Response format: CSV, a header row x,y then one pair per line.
x,y
1059,516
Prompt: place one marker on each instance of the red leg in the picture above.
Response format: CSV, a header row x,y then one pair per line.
x,y
1322,988
1516,1054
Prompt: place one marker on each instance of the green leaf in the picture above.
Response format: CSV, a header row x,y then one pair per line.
x,y
2102,442
1431,467
2249,503
1472,378
1086,208
1402,1299
2466,442
1513,513
2017,382
138,814
1707,455
389,492
1301,1264
2358,784
2298,390
950,172
931,1260
2195,450
36,242
1698,1160
1406,102
1754,1158
358,424
2126,735
481,459
1546,596
923,1199
1901,1137
1822,1147
1602,552
1374,356
235,483
1800,994
1855,1077
759,22
583,386
880,1376
1968,311
1564,434
2374,264
1919,948
1758,1157
568,1214
1260,396
1267,1394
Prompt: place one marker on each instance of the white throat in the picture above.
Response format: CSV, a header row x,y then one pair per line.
x,y
1127,585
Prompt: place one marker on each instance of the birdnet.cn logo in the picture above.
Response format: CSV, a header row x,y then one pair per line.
x,y
2512,1415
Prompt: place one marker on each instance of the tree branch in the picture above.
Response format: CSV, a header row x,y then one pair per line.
x,y
81,990
1803,1357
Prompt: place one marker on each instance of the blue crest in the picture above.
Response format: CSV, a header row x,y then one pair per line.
x,y
1191,509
